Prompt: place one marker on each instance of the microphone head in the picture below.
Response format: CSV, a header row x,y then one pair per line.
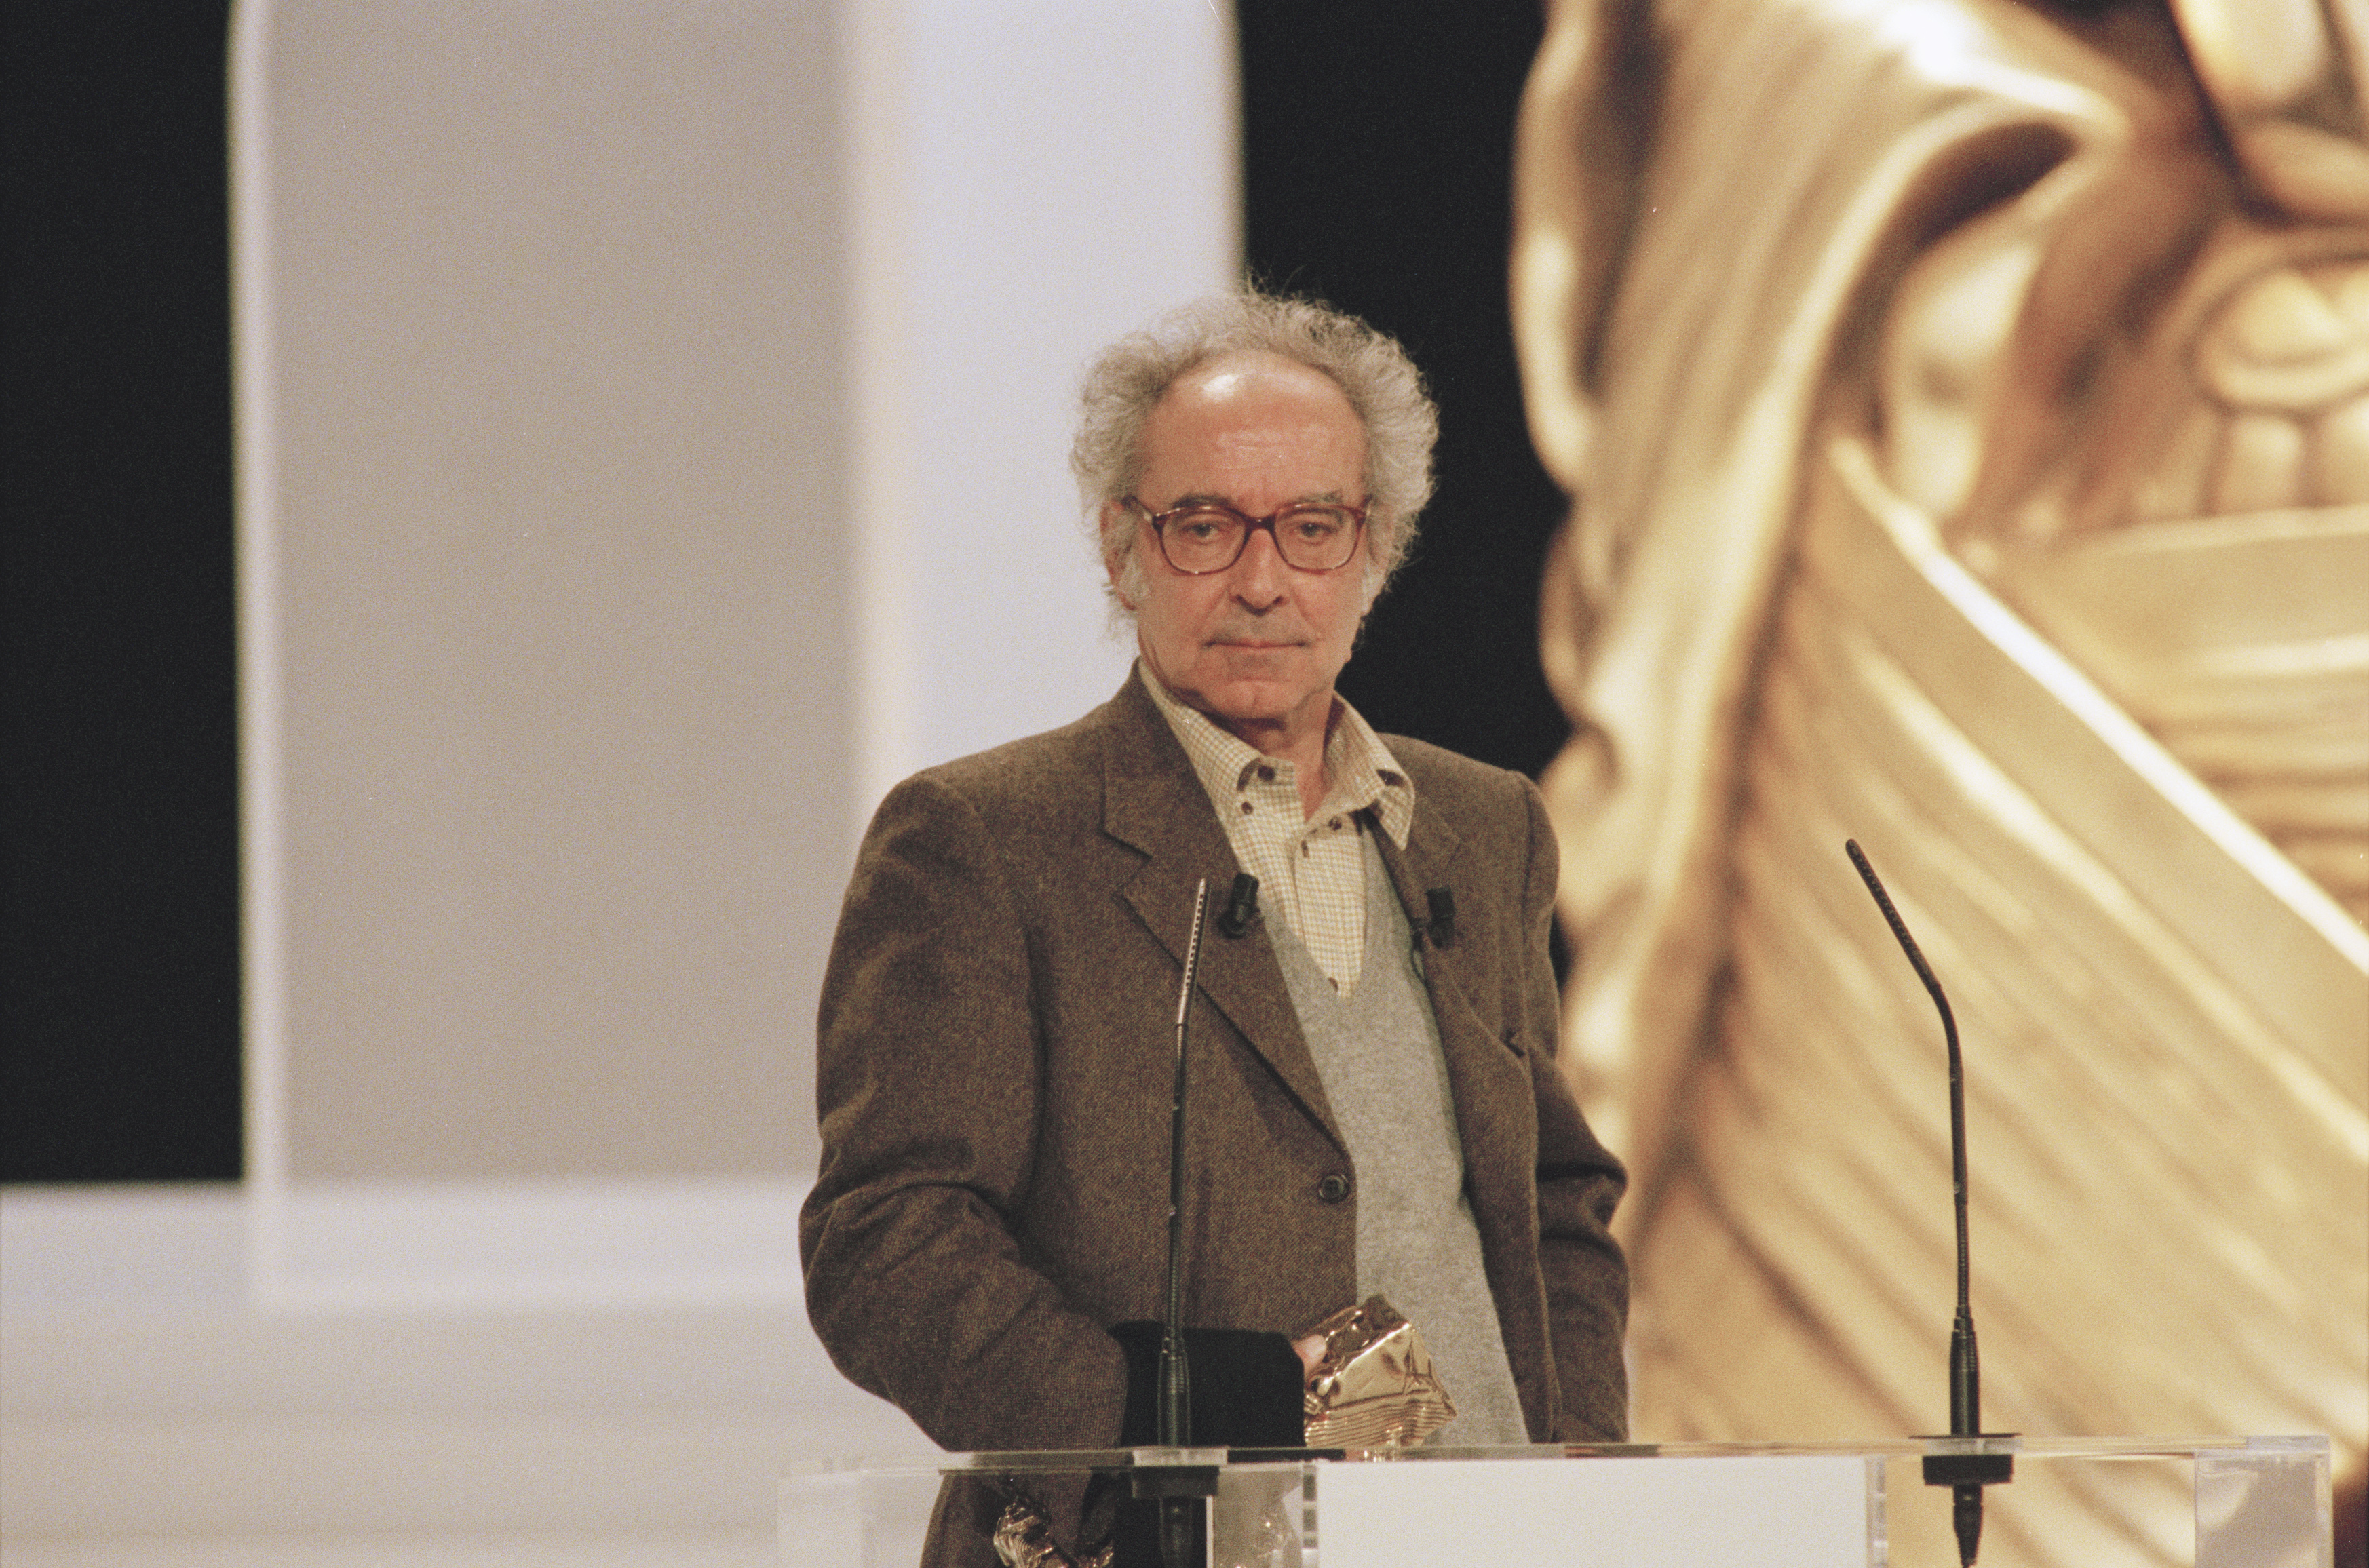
x,y
1241,905
1442,925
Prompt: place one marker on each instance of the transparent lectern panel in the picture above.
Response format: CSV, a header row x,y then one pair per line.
x,y
2264,1505
2133,1511
855,1519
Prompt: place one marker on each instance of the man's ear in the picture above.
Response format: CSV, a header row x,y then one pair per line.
x,y
1113,514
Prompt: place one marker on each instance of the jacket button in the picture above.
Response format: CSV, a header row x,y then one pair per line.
x,y
1333,1188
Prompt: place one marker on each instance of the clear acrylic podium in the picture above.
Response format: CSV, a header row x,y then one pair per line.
x,y
2253,1503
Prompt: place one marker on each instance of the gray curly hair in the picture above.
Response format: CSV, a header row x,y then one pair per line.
x,y
1128,380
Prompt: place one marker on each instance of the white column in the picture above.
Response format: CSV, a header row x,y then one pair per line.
x,y
1031,180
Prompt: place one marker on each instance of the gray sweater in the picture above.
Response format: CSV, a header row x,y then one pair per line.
x,y
1378,1053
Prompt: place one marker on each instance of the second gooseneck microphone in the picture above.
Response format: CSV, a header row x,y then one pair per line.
x,y
1965,1475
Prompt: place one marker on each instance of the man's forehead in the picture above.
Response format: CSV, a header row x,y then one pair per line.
x,y
1249,398
1309,447
1243,373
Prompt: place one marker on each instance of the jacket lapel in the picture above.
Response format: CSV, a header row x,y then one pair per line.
x,y
1153,803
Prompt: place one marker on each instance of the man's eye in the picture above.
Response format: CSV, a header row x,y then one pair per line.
x,y
1315,525
1199,528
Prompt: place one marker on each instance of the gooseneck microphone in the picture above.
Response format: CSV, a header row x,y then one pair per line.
x,y
1965,1475
1175,1408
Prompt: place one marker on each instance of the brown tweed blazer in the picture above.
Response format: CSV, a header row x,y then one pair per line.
x,y
996,1055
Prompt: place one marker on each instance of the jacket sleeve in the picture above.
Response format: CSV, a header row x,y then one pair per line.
x,y
928,1082
1580,1183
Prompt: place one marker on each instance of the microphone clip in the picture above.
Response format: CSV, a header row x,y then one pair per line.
x,y
1242,906
1441,926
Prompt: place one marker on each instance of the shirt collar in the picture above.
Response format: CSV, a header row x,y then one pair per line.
x,y
1359,768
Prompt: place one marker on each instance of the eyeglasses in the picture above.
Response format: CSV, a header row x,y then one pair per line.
x,y
1202,537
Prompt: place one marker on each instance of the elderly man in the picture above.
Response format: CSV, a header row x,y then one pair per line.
x,y
1374,1104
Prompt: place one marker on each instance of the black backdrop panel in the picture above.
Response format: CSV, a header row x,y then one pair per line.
x,y
1377,153
119,941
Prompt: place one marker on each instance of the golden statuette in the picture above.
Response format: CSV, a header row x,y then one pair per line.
x,y
1373,1389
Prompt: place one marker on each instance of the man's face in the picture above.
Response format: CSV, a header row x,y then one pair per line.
x,y
1256,646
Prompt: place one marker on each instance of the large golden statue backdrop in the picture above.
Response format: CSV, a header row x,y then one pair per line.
x,y
1965,409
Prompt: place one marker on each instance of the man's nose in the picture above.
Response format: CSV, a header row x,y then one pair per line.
x,y
1256,577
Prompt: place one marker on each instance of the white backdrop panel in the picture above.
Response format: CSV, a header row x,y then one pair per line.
x,y
1047,175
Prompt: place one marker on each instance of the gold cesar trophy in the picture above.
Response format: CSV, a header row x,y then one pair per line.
x,y
1373,1390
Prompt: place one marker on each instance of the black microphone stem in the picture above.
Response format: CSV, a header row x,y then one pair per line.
x,y
1175,1412
1965,1372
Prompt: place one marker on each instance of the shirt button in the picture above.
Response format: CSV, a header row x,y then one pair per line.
x,y
1266,775
1335,824
1333,1188
1248,807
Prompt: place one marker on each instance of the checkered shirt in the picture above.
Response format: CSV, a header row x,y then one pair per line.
x,y
1312,870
